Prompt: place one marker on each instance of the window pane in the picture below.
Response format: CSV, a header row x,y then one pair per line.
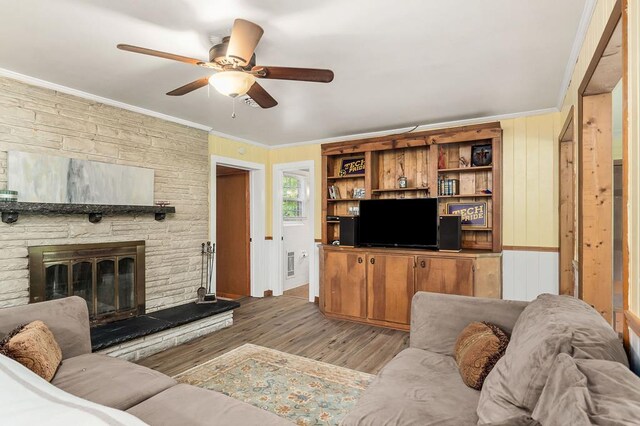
x,y
56,282
106,286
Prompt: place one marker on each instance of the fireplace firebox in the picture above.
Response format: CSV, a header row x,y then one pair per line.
x,y
108,276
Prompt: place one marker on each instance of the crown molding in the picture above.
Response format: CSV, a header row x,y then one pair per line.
x,y
90,96
581,34
422,127
440,125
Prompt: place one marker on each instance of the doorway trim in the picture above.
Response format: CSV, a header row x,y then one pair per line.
x,y
257,210
278,172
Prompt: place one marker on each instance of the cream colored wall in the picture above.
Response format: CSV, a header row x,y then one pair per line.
x,y
633,152
294,154
530,177
530,181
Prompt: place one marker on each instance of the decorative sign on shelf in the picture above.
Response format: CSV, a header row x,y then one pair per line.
x,y
474,214
481,155
351,166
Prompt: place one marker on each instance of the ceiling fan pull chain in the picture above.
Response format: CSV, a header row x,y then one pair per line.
x,y
233,114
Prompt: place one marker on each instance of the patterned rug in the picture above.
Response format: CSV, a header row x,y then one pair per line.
x,y
302,390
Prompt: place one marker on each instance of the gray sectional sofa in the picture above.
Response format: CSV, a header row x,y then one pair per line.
x,y
564,365
150,396
558,350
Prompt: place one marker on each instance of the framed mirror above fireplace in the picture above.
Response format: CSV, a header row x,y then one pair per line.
x,y
108,276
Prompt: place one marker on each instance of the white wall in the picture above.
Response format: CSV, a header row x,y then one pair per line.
x,y
526,274
296,239
296,236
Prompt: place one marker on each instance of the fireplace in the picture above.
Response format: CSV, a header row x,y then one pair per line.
x,y
108,276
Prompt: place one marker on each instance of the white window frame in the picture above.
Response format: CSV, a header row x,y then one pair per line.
x,y
303,198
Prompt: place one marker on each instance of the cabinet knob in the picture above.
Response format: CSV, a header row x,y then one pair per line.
x,y
372,260
359,260
423,264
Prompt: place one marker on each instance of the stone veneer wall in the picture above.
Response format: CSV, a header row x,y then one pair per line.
x,y
44,121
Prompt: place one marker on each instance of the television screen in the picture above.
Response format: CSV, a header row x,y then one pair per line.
x,y
406,222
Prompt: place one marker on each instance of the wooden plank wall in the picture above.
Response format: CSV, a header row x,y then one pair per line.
x,y
530,181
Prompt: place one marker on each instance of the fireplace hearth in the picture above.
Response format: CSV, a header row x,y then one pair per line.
x,y
108,276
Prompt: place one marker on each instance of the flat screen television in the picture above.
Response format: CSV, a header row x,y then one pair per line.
x,y
406,222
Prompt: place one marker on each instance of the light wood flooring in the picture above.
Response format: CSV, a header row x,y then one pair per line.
x,y
291,325
300,291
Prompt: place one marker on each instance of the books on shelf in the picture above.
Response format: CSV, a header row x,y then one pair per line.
x,y
448,186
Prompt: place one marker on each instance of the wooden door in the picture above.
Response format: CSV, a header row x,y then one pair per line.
x,y
444,275
390,280
232,233
344,284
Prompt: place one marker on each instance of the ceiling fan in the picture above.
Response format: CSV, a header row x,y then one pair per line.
x,y
234,61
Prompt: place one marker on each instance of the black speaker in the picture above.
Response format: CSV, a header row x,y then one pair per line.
x,y
349,231
450,232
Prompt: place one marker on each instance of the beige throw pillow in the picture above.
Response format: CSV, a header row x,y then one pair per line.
x,y
33,346
479,346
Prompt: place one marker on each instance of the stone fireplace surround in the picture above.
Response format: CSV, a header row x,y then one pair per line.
x,y
44,121
40,120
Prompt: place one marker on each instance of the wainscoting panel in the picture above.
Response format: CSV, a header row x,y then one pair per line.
x,y
526,274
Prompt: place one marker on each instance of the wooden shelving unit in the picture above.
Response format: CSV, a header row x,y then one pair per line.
x,y
423,158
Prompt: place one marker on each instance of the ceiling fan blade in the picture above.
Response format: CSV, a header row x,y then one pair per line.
x,y
190,87
261,96
245,36
300,74
165,55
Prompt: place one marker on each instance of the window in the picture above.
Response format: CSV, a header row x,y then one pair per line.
x,y
293,197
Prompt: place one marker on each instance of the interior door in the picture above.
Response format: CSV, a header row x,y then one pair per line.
x,y
232,233
344,283
444,275
390,284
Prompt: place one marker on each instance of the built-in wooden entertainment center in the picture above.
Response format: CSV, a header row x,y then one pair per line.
x,y
375,285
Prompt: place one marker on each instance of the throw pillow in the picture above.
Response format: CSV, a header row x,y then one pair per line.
x,y
479,346
548,326
33,346
589,391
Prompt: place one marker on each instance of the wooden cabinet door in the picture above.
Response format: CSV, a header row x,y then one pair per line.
x,y
344,282
444,275
390,280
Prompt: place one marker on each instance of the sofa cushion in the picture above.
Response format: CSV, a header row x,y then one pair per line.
x,y
589,392
548,326
189,405
416,388
33,346
110,381
479,346
27,399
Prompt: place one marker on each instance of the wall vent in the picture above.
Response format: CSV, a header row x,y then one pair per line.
x,y
291,264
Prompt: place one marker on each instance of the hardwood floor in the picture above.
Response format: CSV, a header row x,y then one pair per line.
x,y
291,325
300,291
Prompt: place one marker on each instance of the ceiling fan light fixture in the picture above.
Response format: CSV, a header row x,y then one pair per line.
x,y
232,83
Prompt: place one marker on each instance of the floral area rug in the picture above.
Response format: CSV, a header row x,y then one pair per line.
x,y
302,390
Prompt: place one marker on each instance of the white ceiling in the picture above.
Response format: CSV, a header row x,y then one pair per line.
x,y
396,63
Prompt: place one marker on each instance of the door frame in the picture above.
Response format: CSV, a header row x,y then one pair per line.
x,y
566,141
257,211
598,81
278,173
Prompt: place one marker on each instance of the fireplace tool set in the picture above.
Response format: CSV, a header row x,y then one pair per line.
x,y
205,295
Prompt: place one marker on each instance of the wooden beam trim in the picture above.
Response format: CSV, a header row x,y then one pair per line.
x,y
633,322
532,248
609,29
567,126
